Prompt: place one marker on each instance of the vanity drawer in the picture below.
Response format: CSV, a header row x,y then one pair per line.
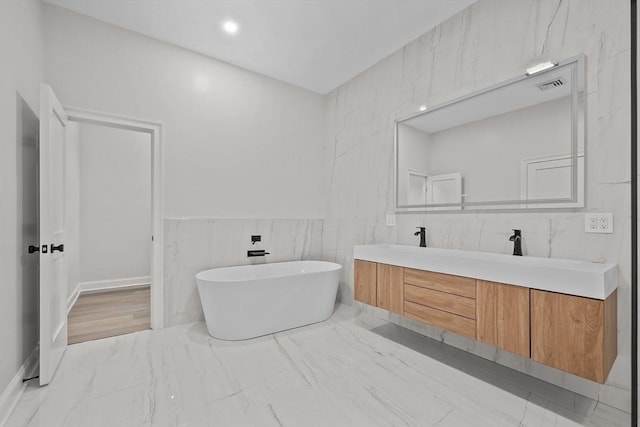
x,y
456,285
450,303
441,319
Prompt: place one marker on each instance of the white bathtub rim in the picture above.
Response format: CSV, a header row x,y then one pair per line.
x,y
202,275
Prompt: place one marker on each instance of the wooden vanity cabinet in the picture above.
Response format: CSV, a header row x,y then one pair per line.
x,y
365,280
502,316
574,334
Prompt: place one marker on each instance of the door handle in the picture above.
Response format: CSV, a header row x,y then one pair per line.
x,y
33,249
59,248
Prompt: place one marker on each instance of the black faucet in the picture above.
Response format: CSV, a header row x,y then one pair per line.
x,y
516,239
423,236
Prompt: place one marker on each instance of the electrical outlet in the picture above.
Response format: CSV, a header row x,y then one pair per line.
x,y
605,223
391,220
598,222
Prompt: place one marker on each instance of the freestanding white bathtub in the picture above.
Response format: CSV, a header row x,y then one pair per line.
x,y
249,301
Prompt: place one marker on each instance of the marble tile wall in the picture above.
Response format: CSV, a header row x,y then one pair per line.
x,y
491,41
193,245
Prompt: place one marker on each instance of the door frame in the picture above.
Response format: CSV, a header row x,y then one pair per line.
x,y
410,173
154,129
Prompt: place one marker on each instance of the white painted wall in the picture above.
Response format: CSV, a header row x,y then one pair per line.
x,y
236,144
115,203
20,76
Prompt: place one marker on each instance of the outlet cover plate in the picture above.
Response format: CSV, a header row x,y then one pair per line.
x,y
600,222
391,220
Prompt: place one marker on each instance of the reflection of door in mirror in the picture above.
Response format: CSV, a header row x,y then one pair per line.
x,y
444,188
416,188
550,177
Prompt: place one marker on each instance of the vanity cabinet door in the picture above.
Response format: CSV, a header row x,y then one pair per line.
x,y
574,334
365,280
390,287
502,316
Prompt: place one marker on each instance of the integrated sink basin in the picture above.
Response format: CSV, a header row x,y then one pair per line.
x,y
579,278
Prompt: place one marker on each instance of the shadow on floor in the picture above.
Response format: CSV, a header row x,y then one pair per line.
x,y
563,402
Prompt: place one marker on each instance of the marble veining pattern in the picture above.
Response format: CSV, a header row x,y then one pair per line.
x,y
489,42
352,370
193,245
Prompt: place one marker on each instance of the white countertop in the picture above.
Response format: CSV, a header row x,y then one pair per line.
x,y
580,278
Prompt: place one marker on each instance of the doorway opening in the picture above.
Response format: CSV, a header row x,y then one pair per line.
x,y
108,192
113,201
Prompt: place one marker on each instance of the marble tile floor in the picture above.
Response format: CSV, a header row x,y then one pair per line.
x,y
352,370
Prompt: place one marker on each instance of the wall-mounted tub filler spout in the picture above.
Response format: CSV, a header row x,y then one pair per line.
x,y
260,252
517,242
423,236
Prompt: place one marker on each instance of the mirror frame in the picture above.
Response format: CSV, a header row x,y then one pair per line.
x,y
578,132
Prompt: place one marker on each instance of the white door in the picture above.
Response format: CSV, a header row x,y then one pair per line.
x,y
53,263
550,178
444,188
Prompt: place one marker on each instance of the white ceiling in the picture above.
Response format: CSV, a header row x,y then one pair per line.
x,y
314,44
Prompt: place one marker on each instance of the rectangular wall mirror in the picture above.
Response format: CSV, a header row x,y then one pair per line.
x,y
518,145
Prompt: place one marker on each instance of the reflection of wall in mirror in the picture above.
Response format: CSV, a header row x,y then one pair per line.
x,y
412,164
489,152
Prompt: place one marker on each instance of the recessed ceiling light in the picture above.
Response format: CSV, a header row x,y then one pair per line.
x,y
422,108
540,68
230,27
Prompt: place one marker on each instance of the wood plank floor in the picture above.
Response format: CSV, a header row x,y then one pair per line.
x,y
107,314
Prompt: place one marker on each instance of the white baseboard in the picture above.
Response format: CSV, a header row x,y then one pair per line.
x,y
73,298
103,285
12,394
